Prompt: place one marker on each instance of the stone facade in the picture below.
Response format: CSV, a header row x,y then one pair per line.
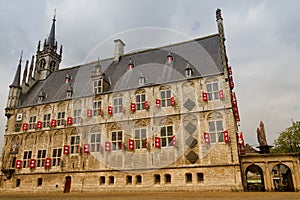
x,y
171,134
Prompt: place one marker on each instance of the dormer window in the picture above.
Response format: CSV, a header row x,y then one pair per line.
x,y
69,91
170,58
97,86
142,79
42,96
68,78
188,71
130,64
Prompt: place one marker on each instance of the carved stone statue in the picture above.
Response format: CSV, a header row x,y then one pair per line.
x,y
261,134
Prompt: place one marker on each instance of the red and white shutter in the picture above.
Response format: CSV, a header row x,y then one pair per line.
x,y
100,112
39,124
110,110
132,107
18,164
32,163
25,127
172,101
86,148
221,94
66,149
174,140
47,162
231,83
157,102
146,105
107,146
204,96
89,113
157,142
230,70
206,138
241,139
53,123
131,144
69,120
226,136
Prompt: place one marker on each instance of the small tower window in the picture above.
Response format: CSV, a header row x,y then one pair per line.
x,y
43,63
130,64
142,79
170,58
42,96
52,65
69,91
188,70
68,78
97,86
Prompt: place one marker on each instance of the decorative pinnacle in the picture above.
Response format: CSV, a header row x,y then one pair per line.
x,y
219,14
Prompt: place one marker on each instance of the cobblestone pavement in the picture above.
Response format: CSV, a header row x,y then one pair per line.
x,y
156,196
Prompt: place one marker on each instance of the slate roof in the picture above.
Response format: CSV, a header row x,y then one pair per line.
x,y
203,54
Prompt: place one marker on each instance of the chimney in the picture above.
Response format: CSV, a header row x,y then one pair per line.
x,y
119,49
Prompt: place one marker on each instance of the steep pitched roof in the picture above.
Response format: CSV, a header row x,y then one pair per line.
x,y
17,79
203,54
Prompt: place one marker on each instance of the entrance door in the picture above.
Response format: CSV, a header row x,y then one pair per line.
x,y
68,184
282,178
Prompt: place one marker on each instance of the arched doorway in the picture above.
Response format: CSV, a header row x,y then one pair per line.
x,y
68,184
255,179
282,178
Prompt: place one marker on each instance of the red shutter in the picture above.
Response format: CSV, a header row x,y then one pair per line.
x,y
204,96
53,123
110,110
32,163
47,162
231,83
132,107
18,164
107,146
131,144
86,148
89,113
206,138
25,127
172,101
122,109
241,139
100,112
39,124
157,142
157,102
221,94
226,136
146,105
174,140
66,149
229,70
69,120
147,143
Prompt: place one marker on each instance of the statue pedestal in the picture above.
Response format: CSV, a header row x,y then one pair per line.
x,y
264,149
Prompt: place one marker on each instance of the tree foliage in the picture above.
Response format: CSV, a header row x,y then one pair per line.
x,y
288,140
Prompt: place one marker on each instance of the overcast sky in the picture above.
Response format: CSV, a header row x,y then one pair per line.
x,y
262,40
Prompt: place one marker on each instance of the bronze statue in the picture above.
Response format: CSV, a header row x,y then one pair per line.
x,y
261,134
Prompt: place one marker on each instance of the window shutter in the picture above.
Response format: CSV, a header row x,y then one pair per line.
x,y
206,138
89,113
204,96
174,140
132,107
241,141
131,144
221,94
157,142
229,70
69,120
146,105
226,136
231,83
18,164
53,123
39,124
172,101
122,108
86,148
32,163
66,149
107,146
47,162
110,110
101,112
25,127
147,143
157,102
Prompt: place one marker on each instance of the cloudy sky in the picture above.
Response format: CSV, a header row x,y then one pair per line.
x,y
262,39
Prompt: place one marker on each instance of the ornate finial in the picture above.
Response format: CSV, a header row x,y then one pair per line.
x,y
219,14
21,56
54,15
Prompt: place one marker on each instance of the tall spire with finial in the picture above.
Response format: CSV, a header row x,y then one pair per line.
x,y
17,78
51,38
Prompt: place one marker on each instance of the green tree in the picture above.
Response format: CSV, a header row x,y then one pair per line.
x,y
288,140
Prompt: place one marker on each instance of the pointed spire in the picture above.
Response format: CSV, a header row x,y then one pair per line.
x,y
98,67
51,38
25,73
17,79
31,68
